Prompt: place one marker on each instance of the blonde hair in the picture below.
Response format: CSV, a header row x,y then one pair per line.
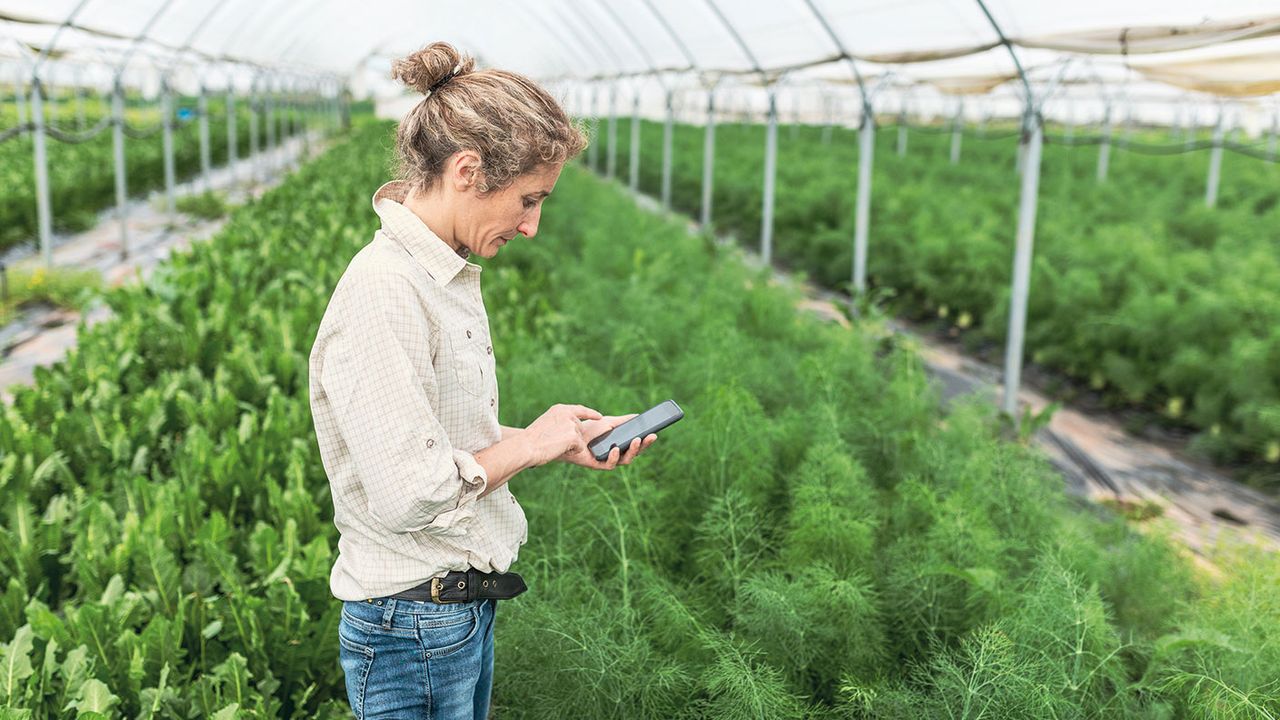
x,y
509,120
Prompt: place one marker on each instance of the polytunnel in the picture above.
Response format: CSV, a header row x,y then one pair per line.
x,y
1076,64
1081,195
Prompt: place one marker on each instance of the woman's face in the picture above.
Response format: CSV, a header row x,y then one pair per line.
x,y
489,222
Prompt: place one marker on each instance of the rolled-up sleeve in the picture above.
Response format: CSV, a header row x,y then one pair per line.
x,y
412,476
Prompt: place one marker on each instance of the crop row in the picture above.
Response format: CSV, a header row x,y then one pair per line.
x,y
1140,295
82,175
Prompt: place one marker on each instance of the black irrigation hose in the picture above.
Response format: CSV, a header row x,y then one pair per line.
x,y
1005,135
75,138
1073,140
1253,151
15,131
143,134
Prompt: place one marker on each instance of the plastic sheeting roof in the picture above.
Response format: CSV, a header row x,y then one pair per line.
x,y
1228,47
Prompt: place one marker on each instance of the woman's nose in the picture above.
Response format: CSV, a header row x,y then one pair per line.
x,y
529,227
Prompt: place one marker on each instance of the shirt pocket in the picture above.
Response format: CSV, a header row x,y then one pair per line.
x,y
471,357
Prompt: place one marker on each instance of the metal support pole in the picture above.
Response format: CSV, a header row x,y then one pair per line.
x,y
206,159
795,115
902,134
79,82
231,134
270,100
44,216
770,172
1275,135
611,162
1104,149
122,187
708,158
668,131
1215,163
1033,136
166,109
254,156
828,114
593,149
634,160
955,134
862,219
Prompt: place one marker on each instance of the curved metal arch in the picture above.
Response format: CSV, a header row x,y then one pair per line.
x,y
662,19
552,29
285,15
594,34
300,32
185,47
848,57
742,44
53,41
626,32
1004,40
137,39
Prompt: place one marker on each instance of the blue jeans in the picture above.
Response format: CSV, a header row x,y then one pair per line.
x,y
406,659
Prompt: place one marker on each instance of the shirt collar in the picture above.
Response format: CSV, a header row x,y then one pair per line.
x,y
400,224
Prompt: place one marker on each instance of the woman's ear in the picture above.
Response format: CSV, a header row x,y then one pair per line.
x,y
464,170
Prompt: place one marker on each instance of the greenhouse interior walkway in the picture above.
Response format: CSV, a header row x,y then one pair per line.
x,y
42,334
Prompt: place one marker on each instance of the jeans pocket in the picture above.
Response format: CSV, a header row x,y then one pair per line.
x,y
441,636
356,659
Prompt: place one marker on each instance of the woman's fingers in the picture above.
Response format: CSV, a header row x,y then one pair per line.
x,y
582,412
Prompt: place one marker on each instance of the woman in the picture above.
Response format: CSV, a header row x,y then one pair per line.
x,y
405,400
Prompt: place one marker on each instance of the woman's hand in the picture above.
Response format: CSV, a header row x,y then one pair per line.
x,y
561,434
592,429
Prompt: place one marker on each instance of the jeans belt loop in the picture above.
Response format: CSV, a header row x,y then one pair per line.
x,y
387,613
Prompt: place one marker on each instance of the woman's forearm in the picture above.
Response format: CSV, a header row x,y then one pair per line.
x,y
502,460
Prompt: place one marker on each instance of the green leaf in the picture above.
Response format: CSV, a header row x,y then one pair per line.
x,y
211,629
15,664
94,697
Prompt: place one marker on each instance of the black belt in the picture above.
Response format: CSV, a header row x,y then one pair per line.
x,y
465,586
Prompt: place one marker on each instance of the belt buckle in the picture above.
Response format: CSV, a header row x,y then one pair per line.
x,y
435,589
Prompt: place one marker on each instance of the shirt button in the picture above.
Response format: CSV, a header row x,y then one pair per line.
x,y
468,333
489,350
431,443
491,402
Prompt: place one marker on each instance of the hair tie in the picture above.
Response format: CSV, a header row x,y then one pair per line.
x,y
440,83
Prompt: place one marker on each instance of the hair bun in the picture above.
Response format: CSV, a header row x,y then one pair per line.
x,y
432,65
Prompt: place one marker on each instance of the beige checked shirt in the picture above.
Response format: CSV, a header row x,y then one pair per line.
x,y
403,393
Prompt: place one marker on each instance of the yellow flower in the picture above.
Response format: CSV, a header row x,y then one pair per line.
x,y
965,320
38,278
1273,451
1175,407
942,311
